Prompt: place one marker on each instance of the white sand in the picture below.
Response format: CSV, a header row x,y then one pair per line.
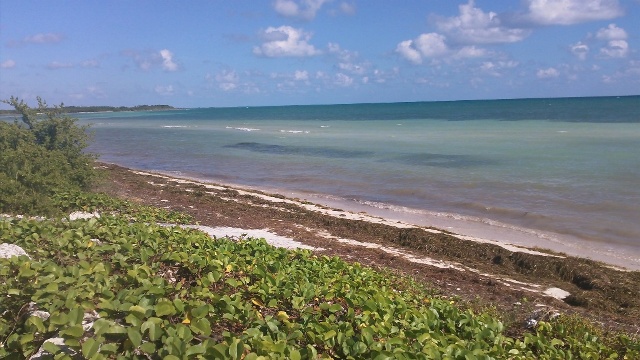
x,y
236,233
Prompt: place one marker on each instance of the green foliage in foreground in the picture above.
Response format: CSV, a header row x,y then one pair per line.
x,y
67,202
173,293
39,156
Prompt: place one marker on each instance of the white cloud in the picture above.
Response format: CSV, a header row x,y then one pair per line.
x,y
608,79
616,43
615,49
612,32
91,63
434,45
7,64
471,52
47,38
55,65
286,7
227,80
580,50
347,60
92,91
146,60
301,9
473,26
613,39
568,12
342,54
164,90
382,76
301,75
548,73
96,92
167,60
630,72
494,68
408,51
343,80
347,8
285,41
431,45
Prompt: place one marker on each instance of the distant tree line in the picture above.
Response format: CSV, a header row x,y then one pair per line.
x,y
80,109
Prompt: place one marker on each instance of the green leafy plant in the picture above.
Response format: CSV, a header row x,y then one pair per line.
x,y
40,156
169,292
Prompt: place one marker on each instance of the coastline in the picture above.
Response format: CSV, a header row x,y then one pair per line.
x,y
513,279
464,227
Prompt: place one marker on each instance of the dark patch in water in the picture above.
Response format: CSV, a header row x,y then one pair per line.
x,y
299,150
441,160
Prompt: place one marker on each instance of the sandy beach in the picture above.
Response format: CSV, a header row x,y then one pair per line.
x,y
479,264
479,230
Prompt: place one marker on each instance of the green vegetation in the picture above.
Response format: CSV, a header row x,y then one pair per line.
x,y
42,155
122,286
168,292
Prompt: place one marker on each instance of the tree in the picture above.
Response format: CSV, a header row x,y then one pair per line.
x,y
40,156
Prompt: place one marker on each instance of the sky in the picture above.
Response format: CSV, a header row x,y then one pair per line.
x,y
219,53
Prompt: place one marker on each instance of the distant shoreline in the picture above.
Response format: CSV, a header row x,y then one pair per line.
x,y
103,109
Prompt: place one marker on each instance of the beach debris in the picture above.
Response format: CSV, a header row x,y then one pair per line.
x,y
33,310
83,215
10,250
557,293
42,354
88,320
543,313
40,314
400,253
170,274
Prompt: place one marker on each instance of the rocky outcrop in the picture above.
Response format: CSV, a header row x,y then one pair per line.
x,y
10,250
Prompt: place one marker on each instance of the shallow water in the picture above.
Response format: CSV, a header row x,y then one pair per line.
x,y
567,169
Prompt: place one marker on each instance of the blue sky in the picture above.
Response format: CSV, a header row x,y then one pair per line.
x,y
278,52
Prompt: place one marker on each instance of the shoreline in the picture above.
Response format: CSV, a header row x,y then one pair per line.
x,y
511,278
464,227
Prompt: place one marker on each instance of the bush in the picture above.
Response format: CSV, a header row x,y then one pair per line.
x,y
41,156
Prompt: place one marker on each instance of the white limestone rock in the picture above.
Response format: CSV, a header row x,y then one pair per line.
x,y
78,215
10,250
42,354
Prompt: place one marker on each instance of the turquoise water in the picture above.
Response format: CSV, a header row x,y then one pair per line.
x,y
566,166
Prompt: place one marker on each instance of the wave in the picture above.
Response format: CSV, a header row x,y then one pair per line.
x,y
295,131
242,128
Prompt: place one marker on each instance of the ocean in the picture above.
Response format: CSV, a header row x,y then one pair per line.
x,y
561,171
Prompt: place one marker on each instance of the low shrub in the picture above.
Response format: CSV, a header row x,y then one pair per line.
x,y
41,155
164,292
